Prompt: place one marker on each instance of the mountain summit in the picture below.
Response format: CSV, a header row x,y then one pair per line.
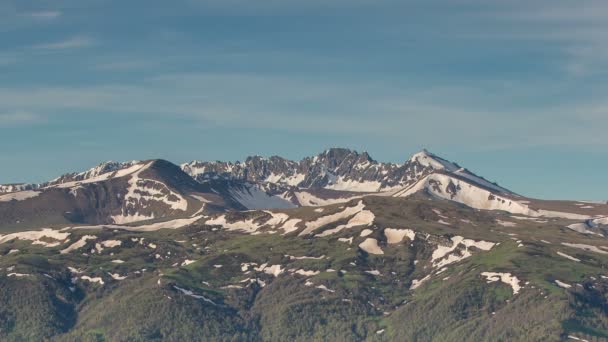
x,y
135,191
348,247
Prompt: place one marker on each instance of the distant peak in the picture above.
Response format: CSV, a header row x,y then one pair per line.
x,y
428,159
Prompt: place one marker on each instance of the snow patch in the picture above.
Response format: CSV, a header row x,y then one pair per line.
x,y
506,223
457,190
92,280
324,288
371,246
568,256
37,236
584,247
290,225
252,197
307,199
416,283
19,196
562,284
396,235
349,240
78,244
342,184
506,278
366,232
329,219
362,218
117,276
193,295
306,273
442,251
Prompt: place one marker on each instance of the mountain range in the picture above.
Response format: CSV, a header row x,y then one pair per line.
x,y
346,247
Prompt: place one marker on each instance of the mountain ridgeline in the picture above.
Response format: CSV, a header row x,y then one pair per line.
x,y
332,247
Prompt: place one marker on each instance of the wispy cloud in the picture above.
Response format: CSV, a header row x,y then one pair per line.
x,y
465,116
46,15
18,117
70,43
124,65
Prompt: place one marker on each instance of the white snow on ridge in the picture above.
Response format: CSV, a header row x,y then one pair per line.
x,y
416,283
291,257
117,276
362,218
274,270
506,223
19,196
306,273
506,278
462,173
251,226
193,295
171,224
599,221
122,219
397,235
93,280
366,232
427,159
36,237
568,256
100,177
442,251
200,198
352,185
292,180
129,170
255,198
307,199
582,228
584,247
140,193
78,244
247,226
562,284
454,189
325,220
290,225
276,218
371,246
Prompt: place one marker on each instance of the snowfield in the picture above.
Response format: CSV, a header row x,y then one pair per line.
x,y
371,246
396,235
329,219
442,251
457,190
252,197
506,278
19,196
36,237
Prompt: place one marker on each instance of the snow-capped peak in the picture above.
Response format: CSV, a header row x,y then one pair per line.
x,y
427,159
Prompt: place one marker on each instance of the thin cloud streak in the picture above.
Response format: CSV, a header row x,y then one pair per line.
x,y
70,43
45,14
310,106
19,117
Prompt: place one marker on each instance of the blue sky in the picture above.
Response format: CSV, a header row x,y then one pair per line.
x,y
513,90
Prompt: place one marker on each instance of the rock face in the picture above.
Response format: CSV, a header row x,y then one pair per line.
x,y
335,169
112,193
124,193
